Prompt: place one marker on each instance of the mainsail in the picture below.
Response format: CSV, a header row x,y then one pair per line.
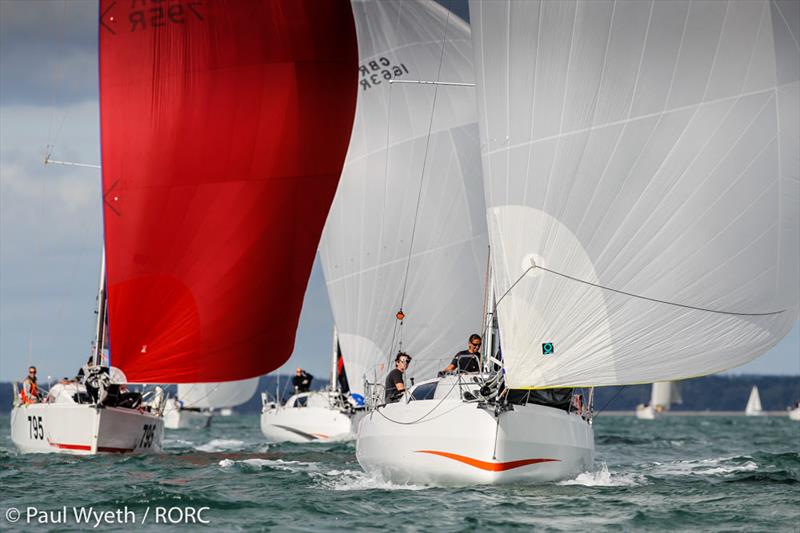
x,y
217,395
407,227
224,130
642,184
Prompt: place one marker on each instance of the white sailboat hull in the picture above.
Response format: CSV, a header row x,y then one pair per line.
x,y
306,424
468,445
185,419
82,429
794,414
645,412
309,417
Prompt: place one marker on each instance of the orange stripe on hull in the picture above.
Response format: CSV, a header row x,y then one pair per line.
x,y
486,465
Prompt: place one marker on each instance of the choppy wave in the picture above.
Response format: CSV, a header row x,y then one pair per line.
x,y
718,466
272,464
221,445
602,477
344,480
686,474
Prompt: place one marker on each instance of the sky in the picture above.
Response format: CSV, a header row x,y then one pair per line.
x,y
50,226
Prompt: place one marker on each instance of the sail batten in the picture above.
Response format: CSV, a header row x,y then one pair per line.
x,y
644,156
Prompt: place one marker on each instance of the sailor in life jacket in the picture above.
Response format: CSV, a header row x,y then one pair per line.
x,y
468,360
30,390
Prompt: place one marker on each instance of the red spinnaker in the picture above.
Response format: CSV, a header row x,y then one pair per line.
x,y
225,125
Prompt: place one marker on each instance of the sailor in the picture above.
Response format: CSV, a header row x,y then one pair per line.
x,y
30,389
468,360
301,380
395,387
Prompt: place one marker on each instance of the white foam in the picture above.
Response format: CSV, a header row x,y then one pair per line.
x,y
706,467
603,478
221,445
273,464
347,480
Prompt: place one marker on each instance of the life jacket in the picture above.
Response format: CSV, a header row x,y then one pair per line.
x,y
34,397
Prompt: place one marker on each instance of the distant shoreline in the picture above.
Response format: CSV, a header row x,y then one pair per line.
x,y
695,413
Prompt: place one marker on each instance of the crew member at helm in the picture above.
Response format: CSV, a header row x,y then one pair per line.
x,y
468,360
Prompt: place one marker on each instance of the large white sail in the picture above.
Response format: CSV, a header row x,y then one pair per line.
x,y
217,395
374,219
642,184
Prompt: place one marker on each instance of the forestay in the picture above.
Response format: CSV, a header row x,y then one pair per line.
x,y
217,395
641,175
391,163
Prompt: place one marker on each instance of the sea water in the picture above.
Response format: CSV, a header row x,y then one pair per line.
x,y
709,473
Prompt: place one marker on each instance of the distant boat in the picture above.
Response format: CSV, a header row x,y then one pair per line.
x,y
194,404
754,404
662,396
315,416
794,412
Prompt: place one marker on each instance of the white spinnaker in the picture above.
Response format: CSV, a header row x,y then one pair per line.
x,y
650,148
217,395
366,242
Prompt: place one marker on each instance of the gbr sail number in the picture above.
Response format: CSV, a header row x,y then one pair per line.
x,y
378,70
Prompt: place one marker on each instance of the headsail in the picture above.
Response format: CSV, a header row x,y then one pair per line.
x,y
224,130
642,184
664,394
217,395
368,236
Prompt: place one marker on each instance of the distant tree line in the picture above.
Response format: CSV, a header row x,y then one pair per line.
x,y
710,393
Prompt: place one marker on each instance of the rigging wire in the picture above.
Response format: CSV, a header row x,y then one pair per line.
x,y
632,295
597,413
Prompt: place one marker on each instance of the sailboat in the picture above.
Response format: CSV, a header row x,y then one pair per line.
x,y
194,404
212,162
662,395
94,415
639,164
753,407
314,416
794,411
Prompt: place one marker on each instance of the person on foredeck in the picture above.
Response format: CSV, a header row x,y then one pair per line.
x,y
30,388
301,381
395,386
468,360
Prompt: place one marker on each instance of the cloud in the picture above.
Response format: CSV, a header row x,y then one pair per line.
x,y
50,237
48,51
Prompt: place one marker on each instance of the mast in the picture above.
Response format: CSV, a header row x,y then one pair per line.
x,y
99,338
488,351
334,361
